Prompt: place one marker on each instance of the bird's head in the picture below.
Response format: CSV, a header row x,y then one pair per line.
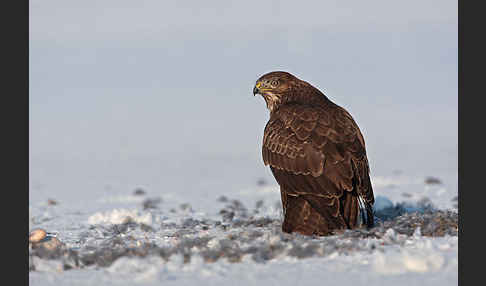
x,y
274,87
281,87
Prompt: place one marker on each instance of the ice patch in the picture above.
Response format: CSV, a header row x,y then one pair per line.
x,y
382,202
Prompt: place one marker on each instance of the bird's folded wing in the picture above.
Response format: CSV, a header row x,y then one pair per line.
x,y
322,147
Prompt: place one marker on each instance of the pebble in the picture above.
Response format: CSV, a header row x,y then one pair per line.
x,y
222,199
37,235
52,202
151,203
432,181
139,192
261,182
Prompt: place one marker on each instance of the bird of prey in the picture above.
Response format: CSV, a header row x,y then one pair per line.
x,y
317,155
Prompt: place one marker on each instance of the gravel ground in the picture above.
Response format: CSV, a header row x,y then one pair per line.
x,y
237,235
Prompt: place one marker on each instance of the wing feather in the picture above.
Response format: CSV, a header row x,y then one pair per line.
x,y
319,148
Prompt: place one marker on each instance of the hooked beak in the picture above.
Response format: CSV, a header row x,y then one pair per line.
x,y
255,91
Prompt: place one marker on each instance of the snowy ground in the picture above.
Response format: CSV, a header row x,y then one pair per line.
x,y
144,237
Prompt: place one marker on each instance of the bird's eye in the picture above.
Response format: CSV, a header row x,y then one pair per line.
x,y
274,82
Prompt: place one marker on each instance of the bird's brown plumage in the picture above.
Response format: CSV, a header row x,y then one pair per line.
x,y
317,155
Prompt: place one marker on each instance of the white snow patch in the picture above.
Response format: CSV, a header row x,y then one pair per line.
x,y
137,269
44,265
122,199
407,261
421,255
118,216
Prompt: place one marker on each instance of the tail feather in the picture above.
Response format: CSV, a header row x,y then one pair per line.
x,y
310,214
301,217
350,205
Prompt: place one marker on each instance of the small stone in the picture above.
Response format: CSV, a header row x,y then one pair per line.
x,y
187,258
37,235
190,223
139,192
128,221
433,181
151,203
261,182
223,199
227,215
52,202
237,205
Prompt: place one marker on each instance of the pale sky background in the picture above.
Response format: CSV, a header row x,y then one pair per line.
x,y
159,93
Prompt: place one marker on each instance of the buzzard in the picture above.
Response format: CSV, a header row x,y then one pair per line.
x,y
317,155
